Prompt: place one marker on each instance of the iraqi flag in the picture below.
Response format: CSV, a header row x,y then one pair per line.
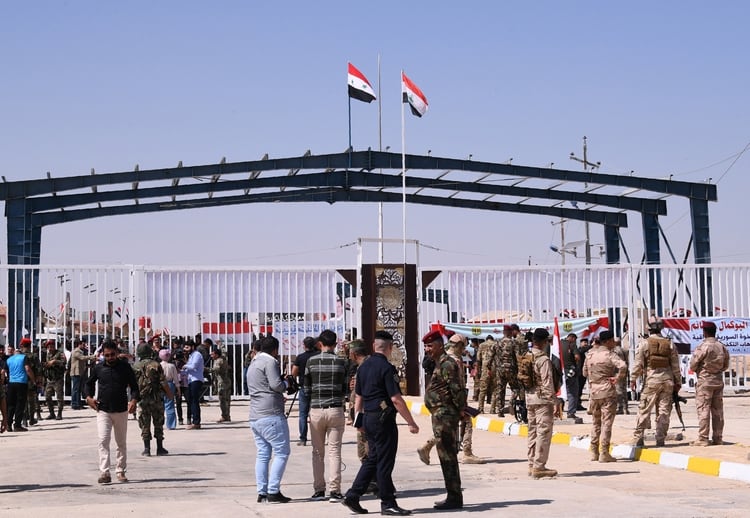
x,y
414,96
556,356
359,86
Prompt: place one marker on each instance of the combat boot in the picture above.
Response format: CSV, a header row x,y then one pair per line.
x,y
146,448
604,456
424,453
51,415
543,473
160,450
594,452
471,459
638,443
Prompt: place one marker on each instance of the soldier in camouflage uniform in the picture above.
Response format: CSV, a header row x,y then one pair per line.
x,y
445,398
506,369
32,394
220,370
54,375
709,362
3,402
485,363
657,360
604,370
152,386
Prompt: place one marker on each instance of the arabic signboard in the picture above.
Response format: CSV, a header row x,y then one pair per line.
x,y
732,332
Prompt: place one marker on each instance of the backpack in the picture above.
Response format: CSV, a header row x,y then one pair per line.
x,y
525,374
149,376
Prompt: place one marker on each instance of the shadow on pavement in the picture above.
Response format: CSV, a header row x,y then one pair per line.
x,y
596,473
38,487
197,454
488,506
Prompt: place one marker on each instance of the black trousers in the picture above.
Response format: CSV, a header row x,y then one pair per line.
x,y
17,393
382,441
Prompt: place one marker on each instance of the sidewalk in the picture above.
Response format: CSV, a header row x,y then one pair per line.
x,y
730,461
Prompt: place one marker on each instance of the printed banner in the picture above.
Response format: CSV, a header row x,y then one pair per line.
x,y
732,332
292,333
582,327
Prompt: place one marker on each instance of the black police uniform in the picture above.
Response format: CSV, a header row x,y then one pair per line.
x,y
378,381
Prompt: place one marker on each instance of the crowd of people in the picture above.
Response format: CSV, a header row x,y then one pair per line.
x,y
358,385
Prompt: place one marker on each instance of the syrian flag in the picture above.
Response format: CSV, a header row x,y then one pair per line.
x,y
359,86
414,96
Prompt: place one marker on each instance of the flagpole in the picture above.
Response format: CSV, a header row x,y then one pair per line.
x,y
403,170
380,148
349,149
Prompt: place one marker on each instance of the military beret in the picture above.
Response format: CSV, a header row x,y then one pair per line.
x,y
606,335
708,325
49,342
507,327
540,334
432,336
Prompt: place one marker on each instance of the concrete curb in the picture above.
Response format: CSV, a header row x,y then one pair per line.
x,y
701,465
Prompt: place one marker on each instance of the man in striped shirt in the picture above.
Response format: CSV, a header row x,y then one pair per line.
x,y
325,381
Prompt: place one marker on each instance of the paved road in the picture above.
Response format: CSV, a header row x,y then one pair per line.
x,y
51,471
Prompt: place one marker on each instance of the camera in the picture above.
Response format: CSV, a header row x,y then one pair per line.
x,y
291,384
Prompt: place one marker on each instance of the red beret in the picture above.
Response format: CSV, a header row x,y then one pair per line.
x,y
25,341
708,325
507,327
49,342
432,336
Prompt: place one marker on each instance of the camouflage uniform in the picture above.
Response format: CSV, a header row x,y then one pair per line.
x,y
485,361
657,359
506,369
55,377
600,366
540,401
151,383
445,398
709,362
32,395
622,385
220,370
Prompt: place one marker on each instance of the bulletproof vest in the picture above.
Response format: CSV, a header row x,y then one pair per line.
x,y
506,358
659,352
149,378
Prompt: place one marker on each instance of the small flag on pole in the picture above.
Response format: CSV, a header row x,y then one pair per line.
x,y
414,96
359,86
557,356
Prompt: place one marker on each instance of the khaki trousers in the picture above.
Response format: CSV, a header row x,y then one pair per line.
x,y
327,423
709,402
105,423
541,418
603,411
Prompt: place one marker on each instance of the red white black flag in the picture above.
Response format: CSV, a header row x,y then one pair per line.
x,y
414,96
359,86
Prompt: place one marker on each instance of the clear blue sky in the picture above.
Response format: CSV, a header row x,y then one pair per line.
x,y
659,88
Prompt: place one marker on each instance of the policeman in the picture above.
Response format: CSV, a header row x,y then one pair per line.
x,y
657,360
378,399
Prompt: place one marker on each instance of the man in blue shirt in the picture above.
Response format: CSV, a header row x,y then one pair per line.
x,y
19,375
378,399
194,370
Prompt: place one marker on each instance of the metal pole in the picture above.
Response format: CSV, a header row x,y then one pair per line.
x,y
380,148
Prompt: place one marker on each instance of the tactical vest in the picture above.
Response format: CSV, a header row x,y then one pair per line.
x,y
659,352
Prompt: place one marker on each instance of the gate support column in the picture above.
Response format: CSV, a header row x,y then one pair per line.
x,y
389,303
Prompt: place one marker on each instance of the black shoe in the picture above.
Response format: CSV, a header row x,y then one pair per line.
x,y
394,510
21,429
318,495
50,417
59,417
580,407
278,498
161,451
146,452
373,488
448,503
353,505
262,498
335,497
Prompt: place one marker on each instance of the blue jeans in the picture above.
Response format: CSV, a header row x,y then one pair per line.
x,y
194,396
75,392
169,410
304,412
271,436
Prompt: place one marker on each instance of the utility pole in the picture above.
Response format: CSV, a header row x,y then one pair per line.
x,y
586,166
